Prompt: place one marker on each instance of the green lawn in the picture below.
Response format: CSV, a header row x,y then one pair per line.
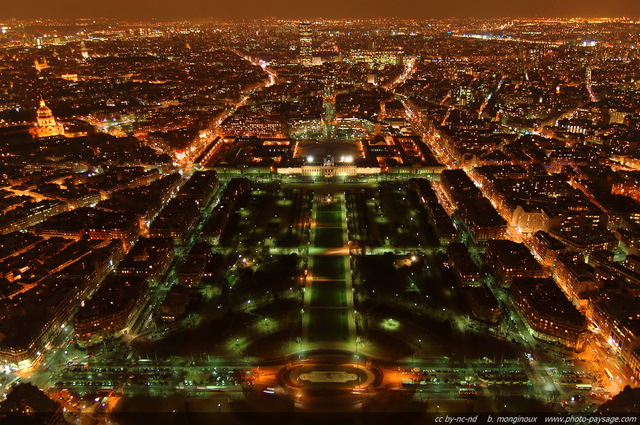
x,y
328,219
330,237
328,267
328,315
328,294
328,325
328,207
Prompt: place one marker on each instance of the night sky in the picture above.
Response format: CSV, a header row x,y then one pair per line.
x,y
297,9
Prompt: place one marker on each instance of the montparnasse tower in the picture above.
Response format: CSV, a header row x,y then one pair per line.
x,y
46,125
304,32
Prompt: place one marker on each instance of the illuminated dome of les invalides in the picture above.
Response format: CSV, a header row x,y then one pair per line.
x,y
46,125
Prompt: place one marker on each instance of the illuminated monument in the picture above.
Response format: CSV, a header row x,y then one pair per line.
x,y
83,50
40,65
329,126
329,112
46,125
304,31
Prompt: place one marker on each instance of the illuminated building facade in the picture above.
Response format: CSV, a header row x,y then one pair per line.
x,y
111,310
46,125
546,247
618,319
548,313
510,260
484,305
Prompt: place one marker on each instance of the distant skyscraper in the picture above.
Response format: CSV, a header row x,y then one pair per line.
x,y
304,31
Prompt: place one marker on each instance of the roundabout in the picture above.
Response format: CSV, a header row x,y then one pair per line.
x,y
337,384
327,376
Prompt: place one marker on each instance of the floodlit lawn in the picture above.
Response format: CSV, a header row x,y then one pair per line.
x,y
328,325
328,207
328,294
328,219
328,267
328,237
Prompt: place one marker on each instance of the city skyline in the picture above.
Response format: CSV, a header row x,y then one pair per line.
x,y
375,217
330,9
